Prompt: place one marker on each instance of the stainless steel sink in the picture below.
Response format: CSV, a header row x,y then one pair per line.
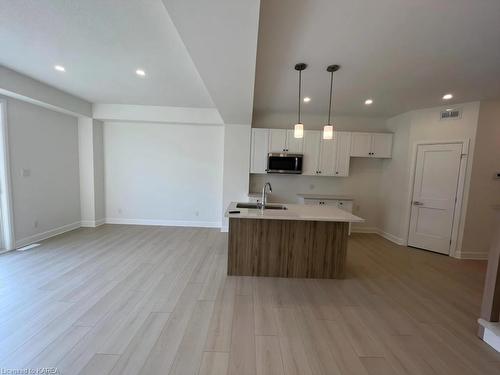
x,y
257,206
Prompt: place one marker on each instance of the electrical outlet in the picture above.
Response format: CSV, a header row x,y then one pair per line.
x,y
197,213
311,187
25,172
120,211
35,224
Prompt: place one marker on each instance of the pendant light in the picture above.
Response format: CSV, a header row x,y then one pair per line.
x,y
328,129
298,129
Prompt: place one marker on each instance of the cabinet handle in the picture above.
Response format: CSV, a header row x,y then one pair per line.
x,y
336,172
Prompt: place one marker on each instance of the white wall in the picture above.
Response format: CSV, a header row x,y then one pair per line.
x,y
236,166
99,173
394,180
421,126
316,122
91,161
163,174
45,144
484,188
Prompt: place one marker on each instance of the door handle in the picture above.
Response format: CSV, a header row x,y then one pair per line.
x,y
417,203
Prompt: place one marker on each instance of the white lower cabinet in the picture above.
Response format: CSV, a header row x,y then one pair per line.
x,y
343,204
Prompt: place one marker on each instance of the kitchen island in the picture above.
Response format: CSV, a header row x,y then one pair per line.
x,y
299,241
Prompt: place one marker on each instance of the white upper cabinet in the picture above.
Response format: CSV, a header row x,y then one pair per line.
x,y
293,145
343,153
327,157
371,145
259,150
282,140
277,140
321,157
310,150
361,144
382,145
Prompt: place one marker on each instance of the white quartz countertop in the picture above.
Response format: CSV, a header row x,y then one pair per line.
x,y
295,212
326,196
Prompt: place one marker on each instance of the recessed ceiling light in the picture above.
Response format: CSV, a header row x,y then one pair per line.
x,y
59,68
369,101
447,97
140,72
307,99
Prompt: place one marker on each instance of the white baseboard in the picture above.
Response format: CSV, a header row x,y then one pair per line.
x,y
392,238
387,236
47,234
165,223
491,334
472,255
93,223
355,229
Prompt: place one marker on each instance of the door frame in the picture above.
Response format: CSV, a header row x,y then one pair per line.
x,y
457,213
7,213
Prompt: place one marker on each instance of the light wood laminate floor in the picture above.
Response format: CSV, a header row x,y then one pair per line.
x,y
152,300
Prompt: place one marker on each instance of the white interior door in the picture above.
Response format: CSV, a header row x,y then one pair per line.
x,y
434,194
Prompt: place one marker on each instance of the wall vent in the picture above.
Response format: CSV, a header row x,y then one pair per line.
x,y
451,114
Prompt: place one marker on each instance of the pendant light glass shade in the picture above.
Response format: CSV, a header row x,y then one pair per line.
x,y
328,129
328,132
298,131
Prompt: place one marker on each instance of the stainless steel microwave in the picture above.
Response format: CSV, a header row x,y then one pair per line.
x,y
284,163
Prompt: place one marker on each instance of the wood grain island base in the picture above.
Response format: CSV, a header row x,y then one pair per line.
x,y
287,248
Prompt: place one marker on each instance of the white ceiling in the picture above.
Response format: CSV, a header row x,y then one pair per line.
x,y
405,54
101,43
221,37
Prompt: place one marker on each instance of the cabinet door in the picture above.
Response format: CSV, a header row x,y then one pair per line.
x,y
345,205
293,145
277,140
311,144
328,156
343,154
361,144
259,149
382,145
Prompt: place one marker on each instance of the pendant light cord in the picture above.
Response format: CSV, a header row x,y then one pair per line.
x,y
300,88
331,92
